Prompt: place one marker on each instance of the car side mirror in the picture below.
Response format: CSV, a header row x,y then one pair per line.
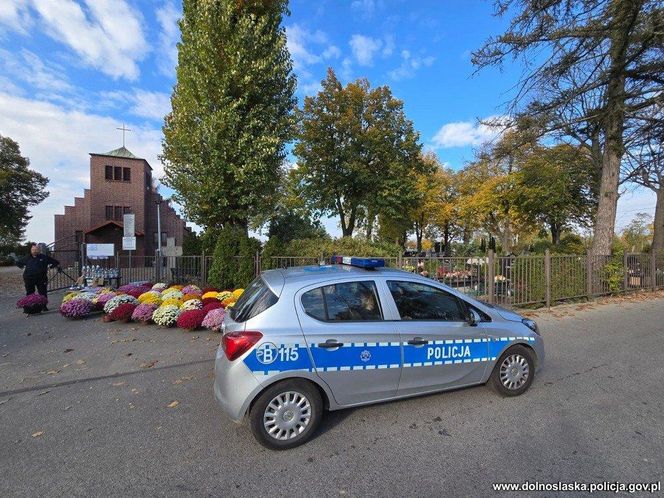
x,y
473,318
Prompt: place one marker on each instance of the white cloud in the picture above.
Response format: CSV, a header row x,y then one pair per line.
x,y
151,105
29,68
107,36
367,8
410,64
57,141
332,52
388,47
299,41
167,58
138,102
14,15
364,48
466,133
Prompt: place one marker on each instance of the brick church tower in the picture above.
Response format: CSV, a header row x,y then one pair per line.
x,y
120,183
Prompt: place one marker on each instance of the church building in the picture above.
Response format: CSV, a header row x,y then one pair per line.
x,y
120,183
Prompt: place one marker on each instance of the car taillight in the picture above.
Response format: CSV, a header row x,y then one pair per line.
x,y
235,344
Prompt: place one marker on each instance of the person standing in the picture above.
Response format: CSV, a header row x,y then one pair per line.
x,y
36,267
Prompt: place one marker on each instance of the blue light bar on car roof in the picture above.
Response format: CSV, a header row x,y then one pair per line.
x,y
359,262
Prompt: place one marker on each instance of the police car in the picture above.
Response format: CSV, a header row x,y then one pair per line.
x,y
303,340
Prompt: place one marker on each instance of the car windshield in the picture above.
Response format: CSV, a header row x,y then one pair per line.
x,y
254,300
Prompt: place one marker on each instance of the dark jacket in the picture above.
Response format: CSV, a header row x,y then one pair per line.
x,y
36,266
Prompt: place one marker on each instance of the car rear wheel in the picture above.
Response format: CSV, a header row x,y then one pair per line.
x,y
286,414
514,371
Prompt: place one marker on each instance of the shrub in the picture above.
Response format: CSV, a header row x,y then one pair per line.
x,y
223,270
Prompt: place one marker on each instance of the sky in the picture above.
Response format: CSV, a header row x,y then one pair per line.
x,y
72,71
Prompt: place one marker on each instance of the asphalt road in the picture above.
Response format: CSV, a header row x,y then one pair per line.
x,y
100,394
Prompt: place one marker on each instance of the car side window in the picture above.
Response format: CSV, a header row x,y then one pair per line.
x,y
347,301
417,301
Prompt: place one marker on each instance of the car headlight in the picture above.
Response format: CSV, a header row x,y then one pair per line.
x,y
531,325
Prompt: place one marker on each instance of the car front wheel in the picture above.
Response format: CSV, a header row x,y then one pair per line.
x,y
286,414
514,371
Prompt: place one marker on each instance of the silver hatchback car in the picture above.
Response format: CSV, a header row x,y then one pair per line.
x,y
305,339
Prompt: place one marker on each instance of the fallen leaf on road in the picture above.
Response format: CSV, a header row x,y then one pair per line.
x,y
37,434
67,408
80,362
135,391
52,372
3,401
173,404
149,364
43,392
5,355
68,350
118,384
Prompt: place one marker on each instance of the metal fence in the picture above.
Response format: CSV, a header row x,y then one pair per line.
x,y
506,280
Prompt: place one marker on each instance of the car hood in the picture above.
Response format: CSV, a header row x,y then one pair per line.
x,y
507,314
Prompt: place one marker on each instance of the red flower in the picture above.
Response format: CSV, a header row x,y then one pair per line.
x,y
212,305
209,289
123,312
191,319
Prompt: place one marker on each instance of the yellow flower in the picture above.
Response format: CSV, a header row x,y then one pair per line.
x,y
69,296
237,293
171,302
224,295
208,295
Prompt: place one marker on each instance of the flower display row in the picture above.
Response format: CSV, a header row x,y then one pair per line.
x,y
189,307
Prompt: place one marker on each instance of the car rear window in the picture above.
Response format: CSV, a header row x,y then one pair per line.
x,y
254,300
348,301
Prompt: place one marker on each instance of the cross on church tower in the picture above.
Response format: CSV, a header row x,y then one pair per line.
x,y
123,133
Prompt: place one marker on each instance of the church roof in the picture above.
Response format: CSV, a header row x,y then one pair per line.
x,y
121,152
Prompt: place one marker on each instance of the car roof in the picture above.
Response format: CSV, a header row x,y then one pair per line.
x,y
303,275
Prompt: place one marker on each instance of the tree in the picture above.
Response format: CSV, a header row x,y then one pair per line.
x,y
607,48
356,154
291,225
435,208
554,188
20,188
636,235
645,167
232,111
487,184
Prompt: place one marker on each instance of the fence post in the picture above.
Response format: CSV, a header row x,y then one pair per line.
x,y
653,269
203,268
547,277
491,277
625,274
589,276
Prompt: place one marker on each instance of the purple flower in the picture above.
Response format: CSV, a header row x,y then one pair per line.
x,y
143,312
76,308
33,303
214,319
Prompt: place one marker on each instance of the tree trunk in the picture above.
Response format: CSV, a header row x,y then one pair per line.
x,y
507,237
446,239
658,233
624,16
370,224
555,234
418,236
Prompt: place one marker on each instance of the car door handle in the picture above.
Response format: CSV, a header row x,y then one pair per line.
x,y
418,341
330,343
